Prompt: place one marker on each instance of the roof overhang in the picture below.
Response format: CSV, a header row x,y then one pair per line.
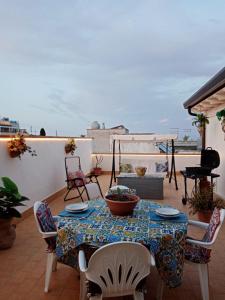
x,y
209,96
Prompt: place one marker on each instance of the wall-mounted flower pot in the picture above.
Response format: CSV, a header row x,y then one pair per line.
x,y
200,130
223,124
67,149
14,154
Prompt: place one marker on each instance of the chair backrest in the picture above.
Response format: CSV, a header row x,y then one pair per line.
x,y
73,170
117,268
72,164
45,222
93,191
215,224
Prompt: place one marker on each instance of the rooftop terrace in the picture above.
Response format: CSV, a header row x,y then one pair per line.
x,y
23,266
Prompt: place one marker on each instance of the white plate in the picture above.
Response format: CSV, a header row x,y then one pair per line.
x,y
76,211
167,211
76,207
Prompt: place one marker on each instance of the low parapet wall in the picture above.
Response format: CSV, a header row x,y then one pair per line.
x,y
41,176
149,160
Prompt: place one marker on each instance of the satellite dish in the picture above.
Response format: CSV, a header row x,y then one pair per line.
x,y
95,125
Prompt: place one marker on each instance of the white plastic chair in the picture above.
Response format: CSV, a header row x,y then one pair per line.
x,y
202,267
51,264
116,268
93,191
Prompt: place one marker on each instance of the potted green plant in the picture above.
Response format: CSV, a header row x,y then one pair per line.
x,y
221,116
202,203
9,199
121,202
97,170
200,121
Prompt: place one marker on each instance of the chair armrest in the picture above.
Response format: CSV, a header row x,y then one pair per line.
x,y
207,245
46,235
199,224
82,261
152,261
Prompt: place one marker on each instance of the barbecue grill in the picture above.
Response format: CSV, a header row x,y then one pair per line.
x,y
210,160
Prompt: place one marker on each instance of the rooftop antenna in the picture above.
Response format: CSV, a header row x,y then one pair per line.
x,y
56,133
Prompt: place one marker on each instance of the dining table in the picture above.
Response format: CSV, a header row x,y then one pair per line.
x,y
95,227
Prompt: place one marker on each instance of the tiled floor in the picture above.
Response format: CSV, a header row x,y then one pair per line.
x,y
22,267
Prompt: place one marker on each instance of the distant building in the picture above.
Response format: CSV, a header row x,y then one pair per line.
x,y
101,136
8,127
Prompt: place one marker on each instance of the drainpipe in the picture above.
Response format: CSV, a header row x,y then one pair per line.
x,y
203,133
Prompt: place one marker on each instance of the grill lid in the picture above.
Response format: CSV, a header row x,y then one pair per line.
x,y
210,158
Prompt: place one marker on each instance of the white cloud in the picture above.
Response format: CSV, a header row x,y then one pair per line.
x,y
163,121
112,61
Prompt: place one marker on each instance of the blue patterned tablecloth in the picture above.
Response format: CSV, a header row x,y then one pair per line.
x,y
165,238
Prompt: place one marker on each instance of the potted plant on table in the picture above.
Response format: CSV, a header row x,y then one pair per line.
x,y
221,116
9,199
203,203
97,170
121,202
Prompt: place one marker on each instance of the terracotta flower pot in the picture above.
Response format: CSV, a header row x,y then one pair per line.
x,y
200,130
14,154
67,149
97,171
7,233
121,208
205,216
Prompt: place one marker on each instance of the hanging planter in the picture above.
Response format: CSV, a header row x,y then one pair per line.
x,y
70,146
200,121
200,130
17,147
221,116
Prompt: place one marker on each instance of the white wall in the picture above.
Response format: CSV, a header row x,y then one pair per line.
x,y
43,175
181,161
215,139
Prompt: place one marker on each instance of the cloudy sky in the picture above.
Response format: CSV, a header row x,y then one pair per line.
x,y
64,64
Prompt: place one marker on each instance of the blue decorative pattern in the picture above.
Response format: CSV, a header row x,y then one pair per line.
x,y
164,238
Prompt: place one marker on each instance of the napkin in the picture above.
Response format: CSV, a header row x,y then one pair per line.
x,y
76,215
181,218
